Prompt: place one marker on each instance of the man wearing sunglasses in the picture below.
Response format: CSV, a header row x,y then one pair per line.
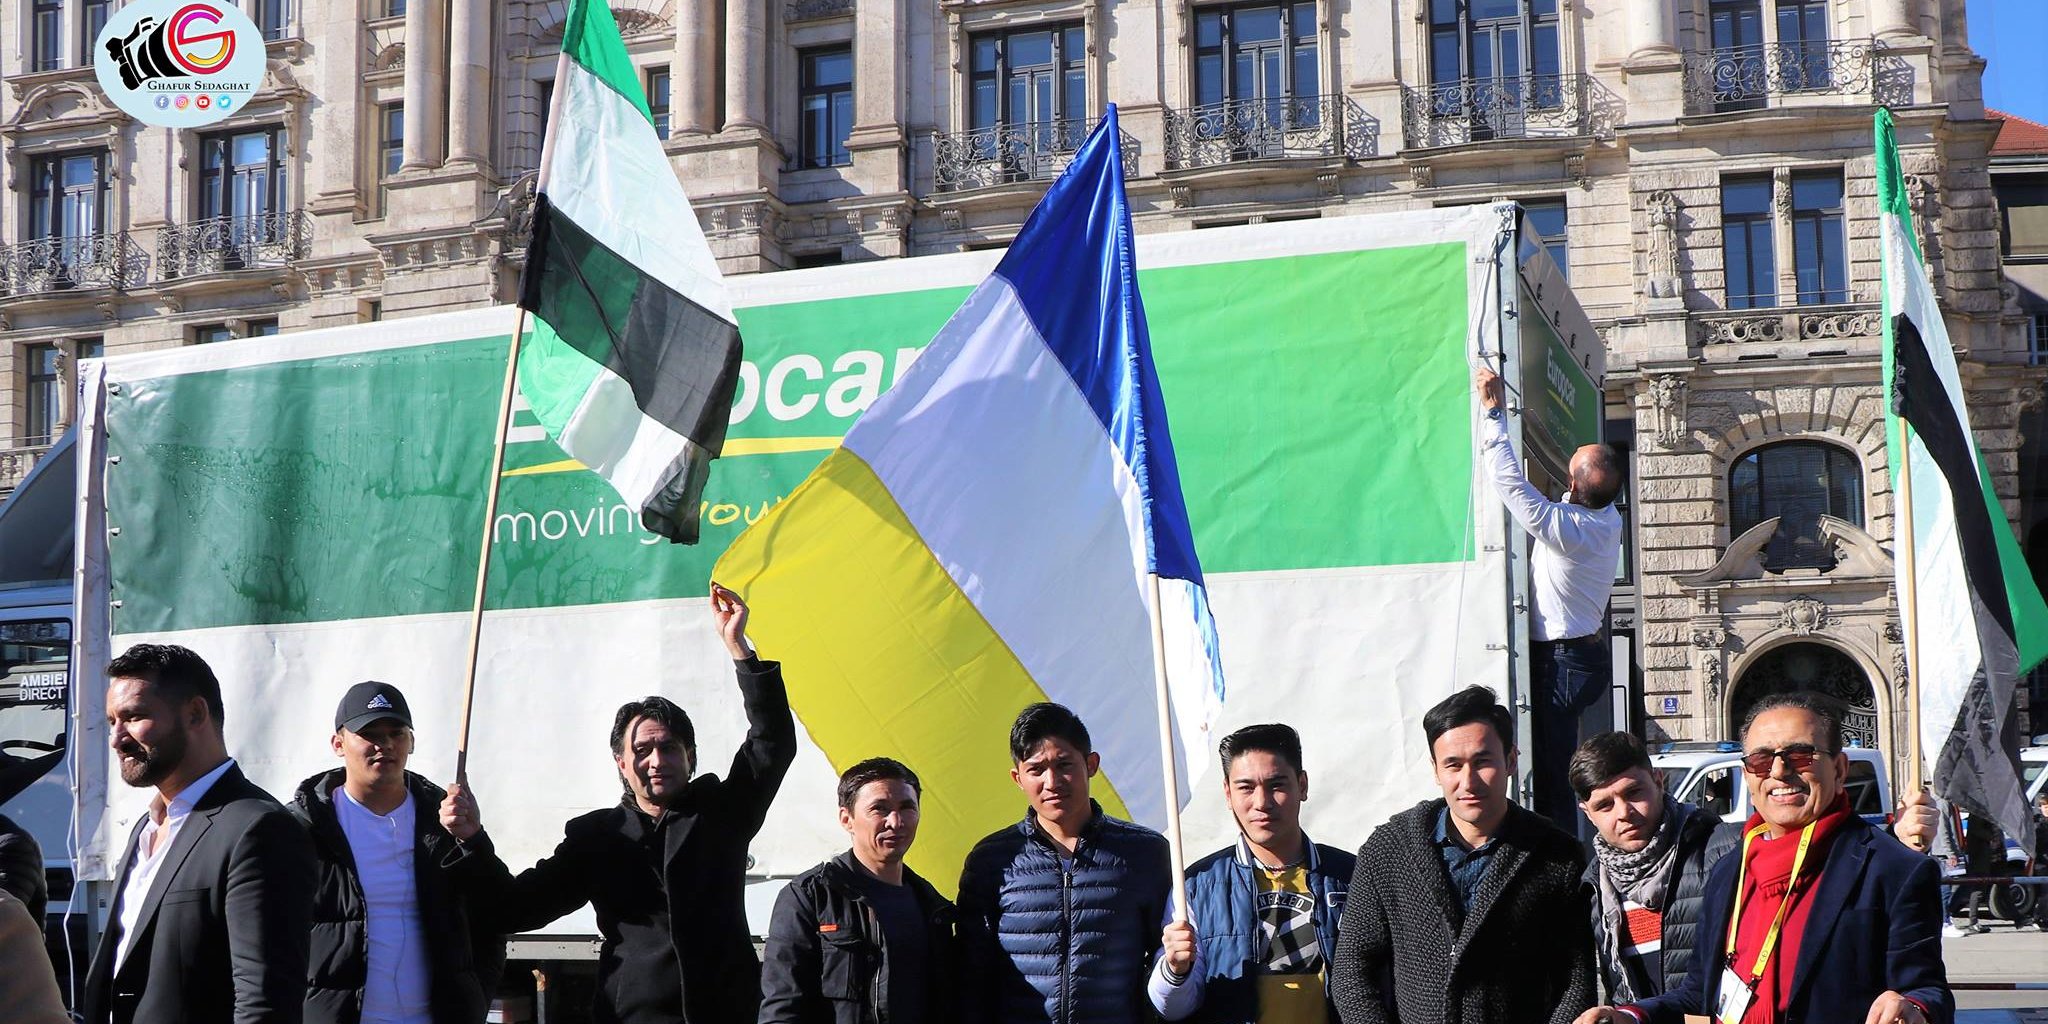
x,y
1818,915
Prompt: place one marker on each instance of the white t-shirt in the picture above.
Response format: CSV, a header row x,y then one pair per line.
x,y
396,988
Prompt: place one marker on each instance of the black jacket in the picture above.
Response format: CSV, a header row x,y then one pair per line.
x,y
827,961
669,891
1705,840
1522,956
222,935
21,869
464,955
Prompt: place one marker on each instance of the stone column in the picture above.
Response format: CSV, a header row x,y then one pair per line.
x,y
426,84
1893,18
1654,31
746,64
469,137
692,72
67,386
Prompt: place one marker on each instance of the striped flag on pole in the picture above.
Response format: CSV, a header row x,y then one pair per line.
x,y
1974,619
634,352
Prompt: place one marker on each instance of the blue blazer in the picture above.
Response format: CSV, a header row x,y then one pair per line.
x,y
1875,927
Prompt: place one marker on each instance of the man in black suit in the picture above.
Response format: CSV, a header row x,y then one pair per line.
x,y
214,902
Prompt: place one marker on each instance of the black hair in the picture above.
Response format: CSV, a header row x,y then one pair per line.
x,y
1600,493
1047,721
1277,739
176,672
875,769
1604,758
1474,703
654,709
1820,705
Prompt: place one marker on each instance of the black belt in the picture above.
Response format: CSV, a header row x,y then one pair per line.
x,y
1593,640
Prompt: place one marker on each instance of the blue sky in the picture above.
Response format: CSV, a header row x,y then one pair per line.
x,y
2009,34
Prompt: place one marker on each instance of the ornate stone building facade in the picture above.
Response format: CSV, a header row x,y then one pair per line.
x,y
1702,166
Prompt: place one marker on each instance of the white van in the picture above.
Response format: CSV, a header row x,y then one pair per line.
x,y
1710,775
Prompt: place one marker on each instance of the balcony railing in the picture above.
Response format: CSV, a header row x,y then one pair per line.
x,y
1847,322
1009,153
16,462
1269,129
1759,77
75,261
1485,109
232,243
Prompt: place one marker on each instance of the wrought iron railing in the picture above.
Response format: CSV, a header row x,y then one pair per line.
x,y
233,243
74,261
1757,77
1008,153
1484,109
16,462
1269,129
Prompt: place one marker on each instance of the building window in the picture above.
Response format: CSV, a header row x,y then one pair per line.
x,y
2023,215
390,139
1030,77
2037,347
1746,243
1256,54
1818,258
95,21
1504,54
825,97
67,195
207,334
264,328
546,88
1795,482
1736,28
273,17
657,100
1803,44
394,8
1546,217
242,175
46,35
41,422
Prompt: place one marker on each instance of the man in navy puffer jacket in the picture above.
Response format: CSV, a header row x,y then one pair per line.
x,y
1059,913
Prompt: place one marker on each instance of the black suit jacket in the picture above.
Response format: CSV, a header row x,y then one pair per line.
x,y
1875,926
223,931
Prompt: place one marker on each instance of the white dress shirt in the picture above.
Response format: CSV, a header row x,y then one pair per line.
x,y
1571,570
396,989
149,851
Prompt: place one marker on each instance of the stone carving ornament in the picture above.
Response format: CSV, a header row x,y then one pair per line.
x,y
1667,404
1662,281
1803,616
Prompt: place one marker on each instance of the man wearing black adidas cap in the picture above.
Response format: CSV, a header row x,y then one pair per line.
x,y
398,937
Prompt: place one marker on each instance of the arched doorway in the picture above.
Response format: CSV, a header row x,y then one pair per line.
x,y
1811,666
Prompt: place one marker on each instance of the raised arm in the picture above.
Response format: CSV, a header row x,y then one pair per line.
x,y
762,761
1550,522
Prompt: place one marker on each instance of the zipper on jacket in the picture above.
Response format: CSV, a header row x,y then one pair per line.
x,y
1066,1003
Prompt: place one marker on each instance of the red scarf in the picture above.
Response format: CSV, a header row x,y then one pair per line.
x,y
1764,888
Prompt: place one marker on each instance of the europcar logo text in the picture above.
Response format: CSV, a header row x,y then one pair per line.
x,y
179,63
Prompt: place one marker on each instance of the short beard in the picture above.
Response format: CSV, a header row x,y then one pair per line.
x,y
158,763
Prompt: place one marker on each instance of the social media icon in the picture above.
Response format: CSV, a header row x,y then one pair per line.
x,y
224,102
205,101
183,102
163,102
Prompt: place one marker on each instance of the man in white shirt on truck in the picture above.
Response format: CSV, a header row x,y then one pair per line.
x,y
1571,575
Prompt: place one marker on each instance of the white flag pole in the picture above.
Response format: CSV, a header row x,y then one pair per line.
x,y
1909,605
1171,768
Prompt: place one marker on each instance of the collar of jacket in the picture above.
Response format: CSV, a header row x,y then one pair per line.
x,y
316,797
848,872
1310,859
1088,832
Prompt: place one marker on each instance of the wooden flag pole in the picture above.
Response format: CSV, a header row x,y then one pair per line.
x,y
1166,758
483,558
1909,605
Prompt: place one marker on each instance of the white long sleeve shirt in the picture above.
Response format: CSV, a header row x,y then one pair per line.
x,y
167,818
1571,570
396,986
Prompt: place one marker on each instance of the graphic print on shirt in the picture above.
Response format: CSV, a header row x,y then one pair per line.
x,y
1644,929
1287,923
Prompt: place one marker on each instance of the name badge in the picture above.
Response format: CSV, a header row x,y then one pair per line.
x,y
1734,998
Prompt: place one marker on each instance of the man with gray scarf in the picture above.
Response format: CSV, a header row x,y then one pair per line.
x,y
1650,864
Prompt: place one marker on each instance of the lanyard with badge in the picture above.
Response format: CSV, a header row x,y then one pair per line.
x,y
1737,990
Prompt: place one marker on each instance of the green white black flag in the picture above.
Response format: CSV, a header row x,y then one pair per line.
x,y
1979,619
634,353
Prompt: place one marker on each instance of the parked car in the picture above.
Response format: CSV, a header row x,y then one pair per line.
x,y
1710,775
